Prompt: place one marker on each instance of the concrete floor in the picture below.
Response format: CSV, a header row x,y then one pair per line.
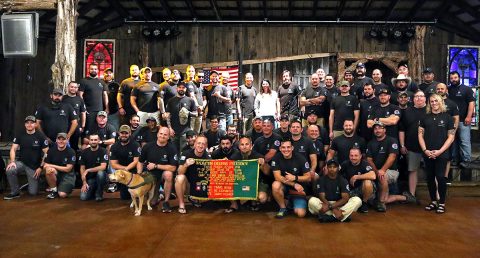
x,y
36,227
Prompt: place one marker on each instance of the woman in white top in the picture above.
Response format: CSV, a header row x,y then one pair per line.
x,y
267,104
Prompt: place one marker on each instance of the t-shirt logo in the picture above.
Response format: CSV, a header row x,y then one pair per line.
x,y
459,94
273,163
62,112
105,157
100,85
395,146
277,143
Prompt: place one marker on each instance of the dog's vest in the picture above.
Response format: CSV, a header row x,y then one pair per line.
x,y
147,179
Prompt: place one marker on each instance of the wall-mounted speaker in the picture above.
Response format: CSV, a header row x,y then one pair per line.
x,y
20,34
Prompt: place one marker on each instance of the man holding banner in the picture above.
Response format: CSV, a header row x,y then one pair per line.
x,y
291,171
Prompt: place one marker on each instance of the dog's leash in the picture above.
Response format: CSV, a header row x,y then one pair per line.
x,y
147,179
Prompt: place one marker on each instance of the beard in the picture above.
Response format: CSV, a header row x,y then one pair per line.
x,y
124,140
93,74
455,83
181,92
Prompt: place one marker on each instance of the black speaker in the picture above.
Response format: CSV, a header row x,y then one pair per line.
x,y
20,34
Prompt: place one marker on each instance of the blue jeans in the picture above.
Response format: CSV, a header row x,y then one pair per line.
x,y
463,143
95,187
229,119
114,119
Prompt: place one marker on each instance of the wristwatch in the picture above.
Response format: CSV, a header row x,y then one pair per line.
x,y
330,206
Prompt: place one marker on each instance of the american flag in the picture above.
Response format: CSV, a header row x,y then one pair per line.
x,y
232,70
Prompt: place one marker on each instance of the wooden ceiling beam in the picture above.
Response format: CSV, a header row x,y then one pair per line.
x,y
365,9
340,9
85,8
119,8
240,9
390,9
28,5
167,8
213,3
192,9
145,11
315,7
418,5
265,10
117,22
290,8
467,8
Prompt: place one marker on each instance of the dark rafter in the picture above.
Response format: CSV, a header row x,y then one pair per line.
x,y
315,7
454,26
85,8
415,9
265,9
190,7
167,9
390,9
290,8
365,9
145,11
443,8
213,3
240,9
467,8
119,8
48,16
117,22
340,9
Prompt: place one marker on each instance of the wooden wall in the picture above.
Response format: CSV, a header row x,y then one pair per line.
x,y
203,44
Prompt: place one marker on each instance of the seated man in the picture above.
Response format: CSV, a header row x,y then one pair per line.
x,y
59,168
290,170
190,136
334,202
186,160
105,131
360,176
93,165
225,150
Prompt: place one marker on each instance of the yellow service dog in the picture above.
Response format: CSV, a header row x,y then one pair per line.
x,y
138,186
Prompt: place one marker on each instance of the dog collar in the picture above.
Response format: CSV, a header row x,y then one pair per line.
x,y
131,178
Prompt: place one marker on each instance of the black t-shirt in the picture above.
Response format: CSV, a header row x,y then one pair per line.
x,y
136,135
379,151
366,106
381,86
320,148
323,137
384,112
113,88
167,91
452,108
436,131
288,95
247,99
61,158
282,134
125,154
213,138
332,93
56,119
163,155
77,103
348,170
191,154
146,135
231,95
93,89
147,96
359,83
106,133
344,107
254,134
197,90
297,165
31,148
311,93
462,96
333,188
91,159
173,106
428,88
394,97
216,107
219,154
342,145
409,124
263,144
305,147
126,88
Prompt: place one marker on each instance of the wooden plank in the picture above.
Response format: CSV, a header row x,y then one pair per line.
x,y
24,5
194,37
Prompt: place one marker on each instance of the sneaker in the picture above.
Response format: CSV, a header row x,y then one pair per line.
x,y
196,203
52,195
98,199
166,207
11,196
348,219
454,163
381,207
363,208
324,218
112,188
465,164
281,213
254,206
410,197
173,196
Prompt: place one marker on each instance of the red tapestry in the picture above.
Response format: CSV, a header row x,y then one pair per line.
x,y
101,52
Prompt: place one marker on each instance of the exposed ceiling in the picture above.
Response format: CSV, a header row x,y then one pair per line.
x,y
459,16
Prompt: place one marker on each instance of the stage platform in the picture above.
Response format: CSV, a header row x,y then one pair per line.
x,y
37,227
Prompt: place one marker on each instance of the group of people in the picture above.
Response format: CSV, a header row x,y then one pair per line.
x,y
326,149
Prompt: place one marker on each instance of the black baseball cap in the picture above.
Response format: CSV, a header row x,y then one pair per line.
x,y
384,91
190,133
213,71
284,117
427,70
360,65
58,91
332,162
30,118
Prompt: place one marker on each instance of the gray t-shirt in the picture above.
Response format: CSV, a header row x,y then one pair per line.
x,y
247,99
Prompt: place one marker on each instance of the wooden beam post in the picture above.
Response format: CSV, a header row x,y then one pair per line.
x,y
416,53
63,70
27,5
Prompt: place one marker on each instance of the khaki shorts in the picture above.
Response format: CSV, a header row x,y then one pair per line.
x,y
392,176
414,159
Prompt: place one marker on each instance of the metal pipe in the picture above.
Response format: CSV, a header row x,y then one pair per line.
x,y
267,21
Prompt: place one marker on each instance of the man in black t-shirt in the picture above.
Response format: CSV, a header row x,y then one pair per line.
x,y
288,93
284,129
79,106
290,170
58,167
185,172
245,102
124,155
213,134
332,201
145,97
113,88
161,160
464,97
105,130
32,146
320,145
147,133
191,136
123,98
256,129
342,144
343,107
360,176
429,85
360,81
332,92
94,93
305,147
267,144
400,85
225,149
93,165
134,124
382,153
180,110
377,81
56,117
386,113
312,99
368,102
215,97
